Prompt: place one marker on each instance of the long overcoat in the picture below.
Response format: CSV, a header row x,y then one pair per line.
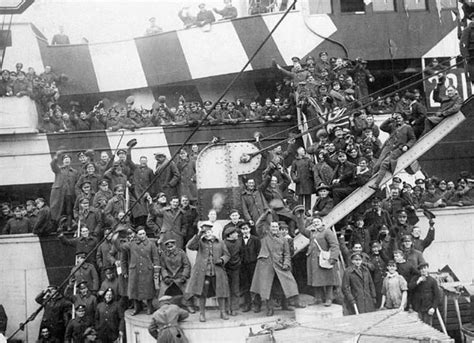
x,y
139,259
172,223
327,240
65,179
168,180
302,175
219,251
176,266
358,288
274,260
187,185
164,324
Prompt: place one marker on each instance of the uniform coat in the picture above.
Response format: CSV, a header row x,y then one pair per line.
x,y
358,288
253,204
219,252
274,260
187,171
302,175
43,225
75,330
138,260
425,295
65,179
141,177
317,276
108,321
172,223
164,324
87,273
55,314
168,180
176,266
17,226
81,244
323,206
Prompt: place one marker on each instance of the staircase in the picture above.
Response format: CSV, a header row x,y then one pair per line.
x,y
424,144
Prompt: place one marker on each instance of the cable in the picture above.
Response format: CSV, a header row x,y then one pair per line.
x,y
226,90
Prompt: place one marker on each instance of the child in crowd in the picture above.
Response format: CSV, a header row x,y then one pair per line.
x,y
394,289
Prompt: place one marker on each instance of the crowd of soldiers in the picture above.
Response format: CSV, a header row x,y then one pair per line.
x,y
146,221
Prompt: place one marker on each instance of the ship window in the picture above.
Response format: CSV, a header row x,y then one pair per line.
x,y
383,6
415,5
352,6
320,7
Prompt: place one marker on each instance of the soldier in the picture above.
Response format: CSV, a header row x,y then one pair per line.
x,y
273,269
77,326
56,312
109,319
18,224
139,263
114,206
164,322
89,217
86,272
82,244
103,195
250,249
208,271
103,258
83,297
169,176
175,271
402,138
172,221
62,191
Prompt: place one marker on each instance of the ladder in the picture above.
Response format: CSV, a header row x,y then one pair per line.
x,y
361,194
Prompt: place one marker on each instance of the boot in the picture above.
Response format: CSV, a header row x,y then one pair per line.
x,y
247,307
317,296
285,305
297,303
221,302
257,304
247,303
328,296
149,307
136,307
269,305
202,309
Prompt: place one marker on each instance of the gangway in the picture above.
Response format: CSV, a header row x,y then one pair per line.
x,y
361,194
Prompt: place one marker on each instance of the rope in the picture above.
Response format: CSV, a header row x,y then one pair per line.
x,y
226,90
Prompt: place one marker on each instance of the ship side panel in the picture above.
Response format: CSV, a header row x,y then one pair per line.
x,y
163,59
74,61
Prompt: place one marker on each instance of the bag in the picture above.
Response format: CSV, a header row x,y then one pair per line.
x,y
324,257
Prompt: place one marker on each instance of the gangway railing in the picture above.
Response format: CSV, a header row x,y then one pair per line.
x,y
364,192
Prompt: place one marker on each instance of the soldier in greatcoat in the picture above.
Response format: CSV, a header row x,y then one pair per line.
x,y
402,138
273,267
168,179
165,322
77,326
320,238
208,271
175,271
109,319
187,170
62,191
140,264
172,221
56,311
358,287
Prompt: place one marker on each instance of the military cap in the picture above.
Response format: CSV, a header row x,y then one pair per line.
x,y
207,103
82,284
206,226
339,152
80,308
406,238
121,151
81,253
90,164
323,53
423,265
322,186
86,182
295,59
81,153
104,182
229,231
84,200
397,179
355,255
66,156
170,240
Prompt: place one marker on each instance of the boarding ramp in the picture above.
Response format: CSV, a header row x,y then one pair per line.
x,y
363,193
